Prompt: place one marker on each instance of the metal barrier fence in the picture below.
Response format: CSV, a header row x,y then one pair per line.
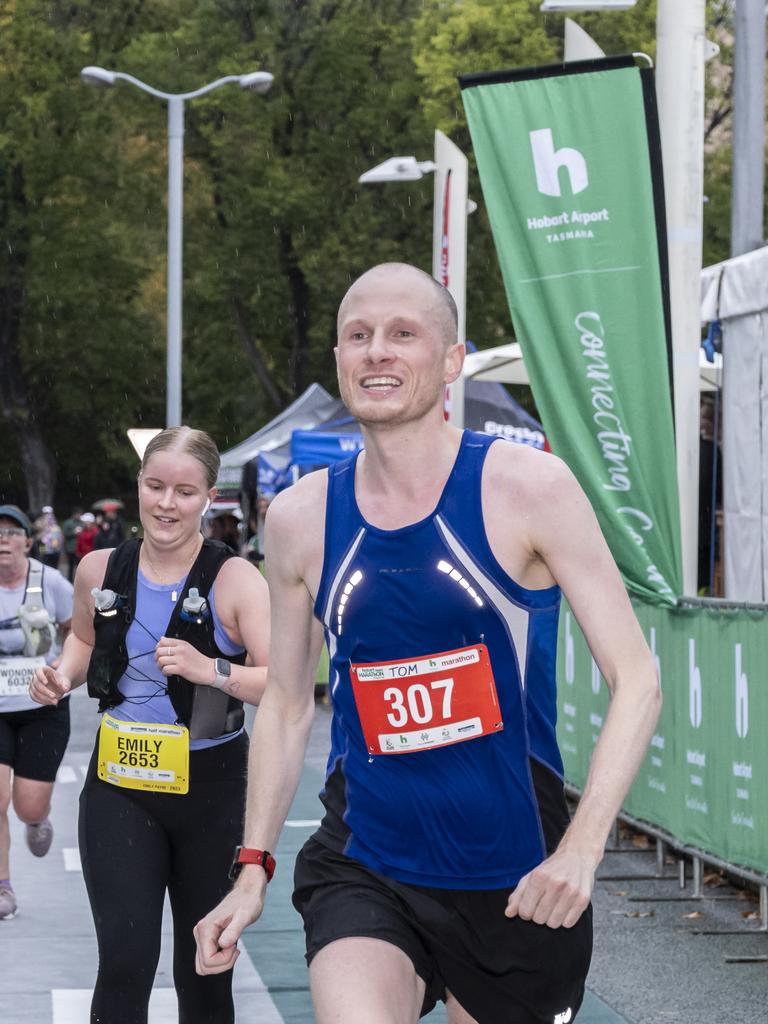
x,y
703,787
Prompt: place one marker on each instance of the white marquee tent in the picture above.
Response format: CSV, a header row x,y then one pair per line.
x,y
735,292
505,364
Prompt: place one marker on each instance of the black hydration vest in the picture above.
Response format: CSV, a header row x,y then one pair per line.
x,y
206,711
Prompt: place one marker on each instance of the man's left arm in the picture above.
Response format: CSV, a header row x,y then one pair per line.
x,y
567,538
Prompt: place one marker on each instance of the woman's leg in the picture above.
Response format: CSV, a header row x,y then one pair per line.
x,y
203,848
125,856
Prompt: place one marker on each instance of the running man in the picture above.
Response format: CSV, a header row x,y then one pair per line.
x,y
445,866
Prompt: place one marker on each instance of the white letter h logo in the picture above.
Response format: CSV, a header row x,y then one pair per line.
x,y
547,161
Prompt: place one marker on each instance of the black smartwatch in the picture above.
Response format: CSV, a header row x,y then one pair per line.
x,y
223,672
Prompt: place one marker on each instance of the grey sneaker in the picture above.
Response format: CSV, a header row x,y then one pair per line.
x,y
7,903
40,837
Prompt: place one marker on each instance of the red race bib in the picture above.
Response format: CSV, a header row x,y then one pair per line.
x,y
428,702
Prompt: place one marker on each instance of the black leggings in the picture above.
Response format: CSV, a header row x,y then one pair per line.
x,y
134,846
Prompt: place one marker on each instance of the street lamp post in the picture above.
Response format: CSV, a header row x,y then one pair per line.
x,y
257,81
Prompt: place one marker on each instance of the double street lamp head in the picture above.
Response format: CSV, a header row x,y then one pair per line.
x,y
255,81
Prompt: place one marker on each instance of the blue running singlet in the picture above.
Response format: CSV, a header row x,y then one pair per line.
x,y
450,811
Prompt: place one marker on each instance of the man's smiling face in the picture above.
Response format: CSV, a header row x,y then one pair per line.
x,y
394,354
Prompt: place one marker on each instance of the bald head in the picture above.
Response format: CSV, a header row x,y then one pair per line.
x,y
438,301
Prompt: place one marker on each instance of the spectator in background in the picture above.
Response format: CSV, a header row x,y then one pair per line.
x,y
710,496
111,531
87,535
48,537
255,549
70,528
225,527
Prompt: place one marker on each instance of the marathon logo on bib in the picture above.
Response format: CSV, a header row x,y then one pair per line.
x,y
420,667
143,755
424,703
16,675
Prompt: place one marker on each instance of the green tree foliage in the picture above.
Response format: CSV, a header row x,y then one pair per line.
x,y
276,225
454,37
68,322
275,222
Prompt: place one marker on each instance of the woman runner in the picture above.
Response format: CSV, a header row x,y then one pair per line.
x,y
171,634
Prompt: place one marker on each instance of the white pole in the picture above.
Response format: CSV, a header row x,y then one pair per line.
x,y
748,128
175,215
680,89
449,246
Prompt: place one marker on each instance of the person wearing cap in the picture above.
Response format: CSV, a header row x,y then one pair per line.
x,y
87,535
35,615
224,527
111,531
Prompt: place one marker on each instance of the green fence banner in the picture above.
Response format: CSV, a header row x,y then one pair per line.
x,y
569,164
701,778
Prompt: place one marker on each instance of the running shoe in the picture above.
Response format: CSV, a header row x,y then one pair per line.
x,y
7,903
40,837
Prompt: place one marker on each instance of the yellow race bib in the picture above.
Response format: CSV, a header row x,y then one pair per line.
x,y
144,755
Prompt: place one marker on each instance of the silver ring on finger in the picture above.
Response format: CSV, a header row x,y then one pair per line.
x,y
170,652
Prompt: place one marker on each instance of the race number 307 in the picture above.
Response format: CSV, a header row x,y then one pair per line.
x,y
430,701
417,703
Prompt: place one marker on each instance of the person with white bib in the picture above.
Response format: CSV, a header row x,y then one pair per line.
x,y
35,614
171,634
446,866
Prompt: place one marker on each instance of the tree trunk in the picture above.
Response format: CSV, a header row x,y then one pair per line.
x,y
299,311
271,387
37,461
253,349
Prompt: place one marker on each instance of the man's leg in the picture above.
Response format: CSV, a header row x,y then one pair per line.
x,y
360,980
456,1013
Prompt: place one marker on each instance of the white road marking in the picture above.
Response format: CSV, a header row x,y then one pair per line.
x,y
252,1000
66,773
72,859
73,1006
303,823
84,769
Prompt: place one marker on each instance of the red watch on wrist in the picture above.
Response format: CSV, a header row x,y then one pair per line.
x,y
245,855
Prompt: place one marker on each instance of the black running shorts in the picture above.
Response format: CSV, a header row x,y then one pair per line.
x,y
33,742
501,970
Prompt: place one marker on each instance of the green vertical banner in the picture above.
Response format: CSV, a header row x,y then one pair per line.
x,y
569,164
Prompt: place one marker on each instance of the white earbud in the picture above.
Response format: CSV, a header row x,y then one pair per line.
x,y
206,506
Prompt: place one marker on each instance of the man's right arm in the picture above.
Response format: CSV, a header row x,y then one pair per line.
x,y
284,718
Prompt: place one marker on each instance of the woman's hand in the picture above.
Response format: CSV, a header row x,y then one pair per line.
x,y
178,658
48,686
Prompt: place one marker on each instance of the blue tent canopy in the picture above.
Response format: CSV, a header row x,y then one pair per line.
x,y
327,443
488,407
273,475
